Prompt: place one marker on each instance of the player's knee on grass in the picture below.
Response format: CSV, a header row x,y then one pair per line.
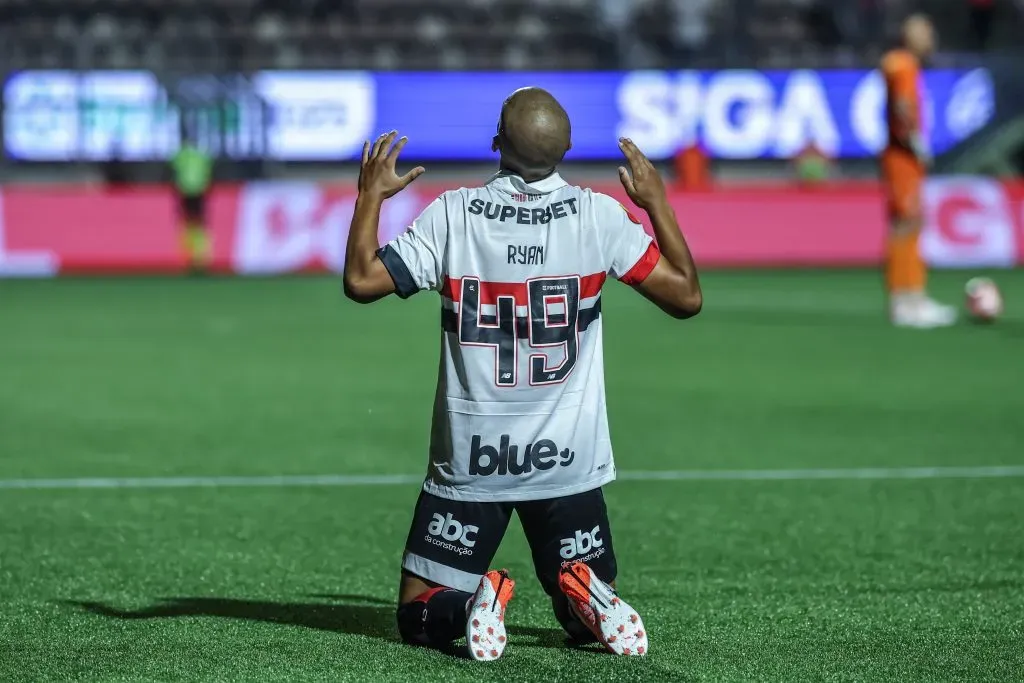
x,y
411,609
567,618
410,623
434,619
573,627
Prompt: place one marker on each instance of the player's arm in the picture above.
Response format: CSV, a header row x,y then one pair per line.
x,y
902,87
673,283
366,278
911,136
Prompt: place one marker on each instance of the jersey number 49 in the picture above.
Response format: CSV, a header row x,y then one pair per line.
x,y
552,320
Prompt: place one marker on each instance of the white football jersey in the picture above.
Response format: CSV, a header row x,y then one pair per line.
x,y
520,409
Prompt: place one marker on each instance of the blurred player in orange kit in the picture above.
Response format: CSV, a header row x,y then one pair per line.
x,y
904,163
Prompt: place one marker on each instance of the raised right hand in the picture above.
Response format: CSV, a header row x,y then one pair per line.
x,y
642,181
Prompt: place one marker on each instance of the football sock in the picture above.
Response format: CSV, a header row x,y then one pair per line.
x,y
905,270
434,618
917,274
197,245
186,243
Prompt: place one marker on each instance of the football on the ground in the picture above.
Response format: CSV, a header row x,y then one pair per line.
x,y
983,300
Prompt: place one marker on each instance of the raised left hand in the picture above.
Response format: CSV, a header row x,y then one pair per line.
x,y
377,175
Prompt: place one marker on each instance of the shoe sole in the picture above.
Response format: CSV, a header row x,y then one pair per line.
x,y
936,319
617,625
923,325
485,626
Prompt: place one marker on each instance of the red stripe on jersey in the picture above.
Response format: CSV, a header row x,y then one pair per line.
x,y
642,268
590,286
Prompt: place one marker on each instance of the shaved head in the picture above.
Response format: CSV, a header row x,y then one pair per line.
x,y
919,35
533,133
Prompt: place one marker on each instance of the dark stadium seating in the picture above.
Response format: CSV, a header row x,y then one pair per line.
x,y
231,35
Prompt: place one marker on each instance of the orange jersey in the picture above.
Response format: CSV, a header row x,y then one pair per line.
x,y
902,171
902,73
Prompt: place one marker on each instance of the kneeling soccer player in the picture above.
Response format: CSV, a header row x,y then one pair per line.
x,y
520,423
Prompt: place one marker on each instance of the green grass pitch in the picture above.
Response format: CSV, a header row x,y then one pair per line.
x,y
738,580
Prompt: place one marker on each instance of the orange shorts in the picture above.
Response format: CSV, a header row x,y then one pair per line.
x,y
902,179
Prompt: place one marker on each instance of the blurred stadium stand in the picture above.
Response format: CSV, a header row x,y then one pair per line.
x,y
239,35
781,94
203,54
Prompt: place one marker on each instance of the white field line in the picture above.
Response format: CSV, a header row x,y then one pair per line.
x,y
286,481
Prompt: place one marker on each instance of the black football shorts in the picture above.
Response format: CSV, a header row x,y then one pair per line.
x,y
451,543
192,206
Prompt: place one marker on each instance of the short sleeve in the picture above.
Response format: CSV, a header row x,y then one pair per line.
x,y
904,79
414,258
901,76
630,253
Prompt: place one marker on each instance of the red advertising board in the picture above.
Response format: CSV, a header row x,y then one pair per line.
x,y
279,227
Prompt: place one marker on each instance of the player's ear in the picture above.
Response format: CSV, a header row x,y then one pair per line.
x,y
495,144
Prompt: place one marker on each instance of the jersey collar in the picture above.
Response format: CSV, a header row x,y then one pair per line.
x,y
510,183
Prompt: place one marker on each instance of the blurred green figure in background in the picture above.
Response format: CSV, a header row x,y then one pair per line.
x,y
813,167
193,175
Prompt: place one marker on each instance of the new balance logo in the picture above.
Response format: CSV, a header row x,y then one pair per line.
x,y
486,460
450,529
581,544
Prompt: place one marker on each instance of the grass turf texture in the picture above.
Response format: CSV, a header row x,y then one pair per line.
x,y
736,580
